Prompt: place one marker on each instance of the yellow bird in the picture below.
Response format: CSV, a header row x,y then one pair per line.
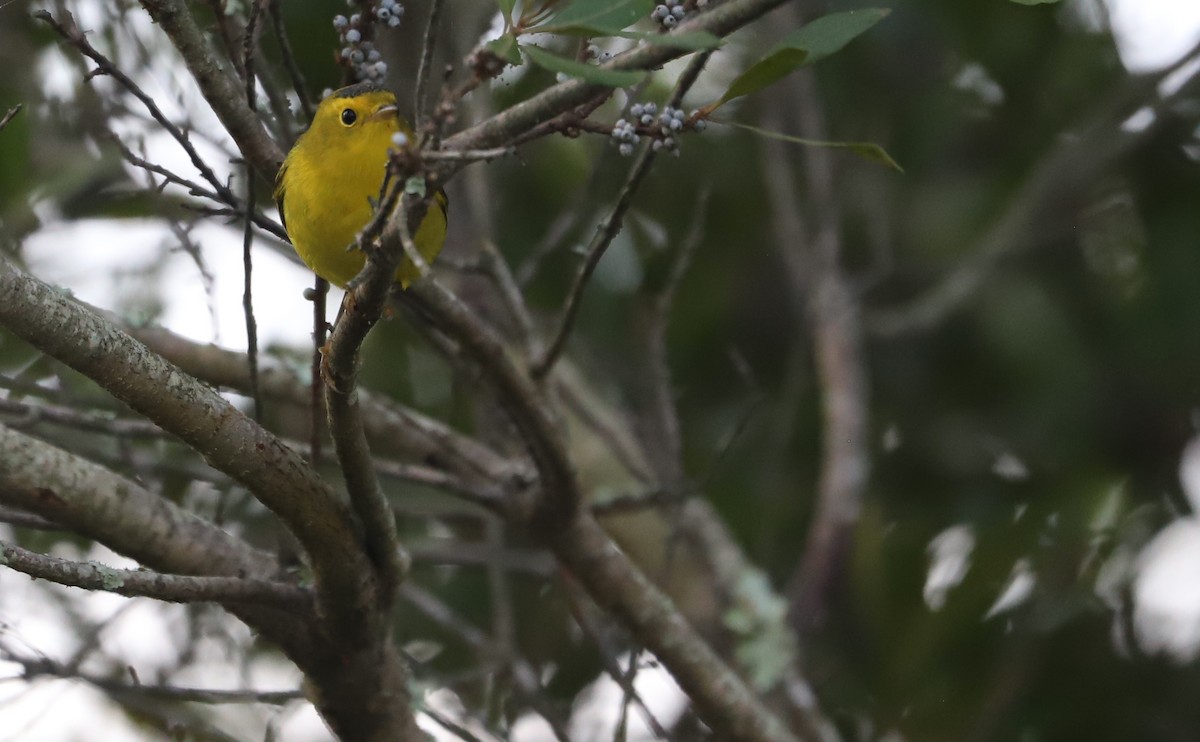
x,y
327,182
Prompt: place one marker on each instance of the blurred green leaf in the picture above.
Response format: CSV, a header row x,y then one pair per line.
x,y
506,8
1035,2
506,48
815,41
597,17
866,150
588,72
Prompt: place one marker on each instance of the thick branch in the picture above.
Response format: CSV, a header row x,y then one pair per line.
x,y
220,89
721,698
391,428
91,500
204,420
359,682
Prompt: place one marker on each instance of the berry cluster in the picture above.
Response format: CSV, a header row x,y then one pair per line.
x,y
362,56
669,13
663,128
625,136
389,12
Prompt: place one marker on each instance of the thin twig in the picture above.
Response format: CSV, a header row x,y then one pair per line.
x,y
584,610
811,239
419,98
22,519
249,44
248,297
611,227
220,89
525,676
450,725
9,116
318,295
468,155
69,30
289,60
607,231
83,420
660,427
46,667
136,583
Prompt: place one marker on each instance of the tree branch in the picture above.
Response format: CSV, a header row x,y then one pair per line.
x,y
221,90
512,122
12,112
91,500
134,583
360,684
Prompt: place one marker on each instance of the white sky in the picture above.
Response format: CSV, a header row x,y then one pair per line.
x,y
88,257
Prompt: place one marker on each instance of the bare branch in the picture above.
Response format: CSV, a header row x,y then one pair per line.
x,y
611,227
89,499
362,670
289,60
419,97
9,116
722,699
69,30
45,667
605,233
134,583
22,519
524,675
512,122
219,89
660,419
93,421
390,427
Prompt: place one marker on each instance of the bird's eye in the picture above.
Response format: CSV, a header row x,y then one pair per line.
x,y
349,116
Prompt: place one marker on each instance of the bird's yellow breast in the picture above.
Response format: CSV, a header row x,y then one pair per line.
x,y
329,181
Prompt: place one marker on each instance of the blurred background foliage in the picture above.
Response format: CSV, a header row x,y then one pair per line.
x,y
1042,413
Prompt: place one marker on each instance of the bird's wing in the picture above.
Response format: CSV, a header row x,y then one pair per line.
x,y
280,191
439,198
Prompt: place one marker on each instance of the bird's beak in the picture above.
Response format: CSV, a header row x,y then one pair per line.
x,y
385,111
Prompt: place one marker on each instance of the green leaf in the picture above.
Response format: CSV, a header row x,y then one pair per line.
x,y
588,72
866,150
829,34
815,41
1034,2
505,47
506,9
763,73
597,17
